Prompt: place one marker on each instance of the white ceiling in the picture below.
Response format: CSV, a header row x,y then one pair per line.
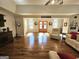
x,y
42,2
30,2
71,2
47,10
37,7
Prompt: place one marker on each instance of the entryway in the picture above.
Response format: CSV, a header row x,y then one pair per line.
x,y
43,26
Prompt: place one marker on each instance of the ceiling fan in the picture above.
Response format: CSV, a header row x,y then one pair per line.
x,y
54,2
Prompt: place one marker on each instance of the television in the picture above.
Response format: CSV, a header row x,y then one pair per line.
x,y
2,20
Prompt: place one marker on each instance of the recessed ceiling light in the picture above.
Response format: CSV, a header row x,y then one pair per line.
x,y
53,1
19,0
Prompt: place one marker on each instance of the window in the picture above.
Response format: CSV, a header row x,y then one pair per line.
x,y
55,23
30,23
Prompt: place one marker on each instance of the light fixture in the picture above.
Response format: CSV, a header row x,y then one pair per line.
x,y
20,1
54,2
36,23
50,23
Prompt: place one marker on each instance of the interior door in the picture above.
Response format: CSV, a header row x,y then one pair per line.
x,y
43,26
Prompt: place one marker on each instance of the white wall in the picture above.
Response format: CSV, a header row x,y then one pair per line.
x,y
25,26
65,25
10,21
8,5
20,29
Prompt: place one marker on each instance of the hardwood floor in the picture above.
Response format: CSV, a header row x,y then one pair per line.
x,y
19,49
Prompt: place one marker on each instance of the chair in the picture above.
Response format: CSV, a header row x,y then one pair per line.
x,y
55,33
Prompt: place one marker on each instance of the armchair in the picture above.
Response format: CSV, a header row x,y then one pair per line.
x,y
55,34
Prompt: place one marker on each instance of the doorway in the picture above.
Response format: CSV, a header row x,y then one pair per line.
x,y
43,26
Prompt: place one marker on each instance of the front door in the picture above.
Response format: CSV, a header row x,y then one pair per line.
x,y
43,26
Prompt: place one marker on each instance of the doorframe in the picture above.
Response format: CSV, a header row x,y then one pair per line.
x,y
43,24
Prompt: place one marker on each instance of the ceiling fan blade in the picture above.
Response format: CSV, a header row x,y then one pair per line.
x,y
61,2
47,2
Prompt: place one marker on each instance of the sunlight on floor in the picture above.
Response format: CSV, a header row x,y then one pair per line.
x,y
30,40
42,39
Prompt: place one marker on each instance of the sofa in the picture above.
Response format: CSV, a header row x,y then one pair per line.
x,y
73,42
59,55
